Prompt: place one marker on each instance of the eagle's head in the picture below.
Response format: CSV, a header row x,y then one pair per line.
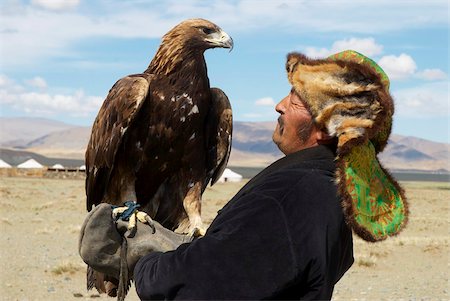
x,y
199,34
187,41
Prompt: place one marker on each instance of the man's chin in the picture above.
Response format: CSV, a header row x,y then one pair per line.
x,y
278,130
276,138
277,135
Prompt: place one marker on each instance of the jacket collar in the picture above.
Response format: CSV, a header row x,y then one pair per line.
x,y
322,156
320,152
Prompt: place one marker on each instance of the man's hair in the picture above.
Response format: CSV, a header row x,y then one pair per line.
x,y
305,130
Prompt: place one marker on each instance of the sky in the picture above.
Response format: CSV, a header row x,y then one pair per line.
x,y
59,58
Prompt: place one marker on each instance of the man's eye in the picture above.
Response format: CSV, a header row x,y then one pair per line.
x,y
207,30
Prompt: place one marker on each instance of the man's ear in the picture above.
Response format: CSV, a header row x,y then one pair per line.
x,y
323,137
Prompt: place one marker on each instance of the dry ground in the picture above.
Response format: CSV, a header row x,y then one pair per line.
x,y
40,222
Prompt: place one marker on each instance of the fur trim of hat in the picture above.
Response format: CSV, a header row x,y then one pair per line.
x,y
346,98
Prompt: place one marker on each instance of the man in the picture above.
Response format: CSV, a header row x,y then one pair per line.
x,y
285,234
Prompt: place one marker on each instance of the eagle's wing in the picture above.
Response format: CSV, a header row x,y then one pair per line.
x,y
219,131
115,116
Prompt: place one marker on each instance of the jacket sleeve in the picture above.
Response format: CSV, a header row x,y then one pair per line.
x,y
246,254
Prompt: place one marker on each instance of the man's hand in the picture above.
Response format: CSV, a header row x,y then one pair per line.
x,y
101,240
146,239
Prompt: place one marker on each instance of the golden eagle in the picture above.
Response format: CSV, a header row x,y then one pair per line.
x,y
161,136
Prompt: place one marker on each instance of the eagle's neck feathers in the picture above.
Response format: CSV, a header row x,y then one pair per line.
x,y
176,55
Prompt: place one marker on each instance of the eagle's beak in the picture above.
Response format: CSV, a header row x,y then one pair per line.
x,y
220,39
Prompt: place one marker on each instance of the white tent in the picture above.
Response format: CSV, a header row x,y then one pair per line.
x,y
31,163
229,176
58,166
3,164
82,167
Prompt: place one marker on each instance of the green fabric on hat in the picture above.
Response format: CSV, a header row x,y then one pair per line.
x,y
378,205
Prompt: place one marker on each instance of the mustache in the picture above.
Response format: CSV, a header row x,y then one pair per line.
x,y
280,121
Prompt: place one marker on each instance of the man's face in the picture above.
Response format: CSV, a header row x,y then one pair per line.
x,y
295,129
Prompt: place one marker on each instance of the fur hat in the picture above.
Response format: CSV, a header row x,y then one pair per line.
x,y
348,96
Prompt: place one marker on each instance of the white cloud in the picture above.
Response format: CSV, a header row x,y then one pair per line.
x,y
398,67
56,4
428,100
260,115
262,109
34,33
37,82
311,15
317,52
8,84
366,46
432,74
265,101
5,81
45,104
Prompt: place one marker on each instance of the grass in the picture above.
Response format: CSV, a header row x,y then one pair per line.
x,y
74,228
6,221
46,205
366,261
67,268
47,230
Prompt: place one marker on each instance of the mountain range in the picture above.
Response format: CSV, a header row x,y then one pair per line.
x,y
252,145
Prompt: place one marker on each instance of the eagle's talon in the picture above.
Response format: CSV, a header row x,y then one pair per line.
x,y
132,222
146,219
197,232
151,224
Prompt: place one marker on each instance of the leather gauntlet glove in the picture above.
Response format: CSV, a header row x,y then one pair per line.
x,y
109,247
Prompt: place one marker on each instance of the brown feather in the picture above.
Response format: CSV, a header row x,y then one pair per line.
x,y
220,126
161,136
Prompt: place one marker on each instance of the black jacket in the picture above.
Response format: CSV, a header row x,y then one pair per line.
x,y
282,236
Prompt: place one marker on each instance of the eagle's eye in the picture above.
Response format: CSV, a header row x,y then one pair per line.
x,y
207,30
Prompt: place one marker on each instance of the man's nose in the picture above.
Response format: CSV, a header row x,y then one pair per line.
x,y
281,106
278,107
